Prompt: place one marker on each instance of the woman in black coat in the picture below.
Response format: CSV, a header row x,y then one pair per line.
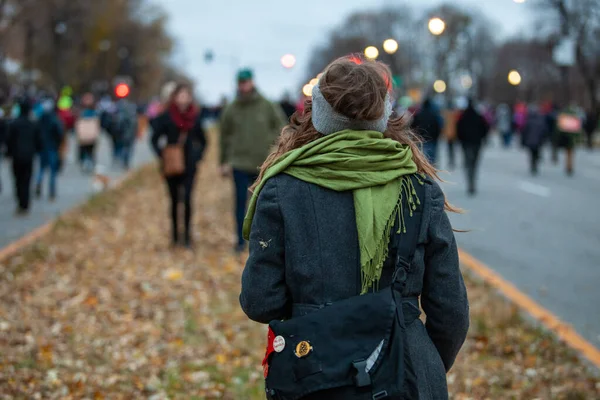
x,y
180,125
305,243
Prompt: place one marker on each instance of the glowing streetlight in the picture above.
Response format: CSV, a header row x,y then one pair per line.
x,y
514,78
313,82
288,61
439,86
466,81
371,52
307,90
390,46
437,26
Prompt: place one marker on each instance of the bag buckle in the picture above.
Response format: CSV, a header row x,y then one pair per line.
x,y
381,395
362,377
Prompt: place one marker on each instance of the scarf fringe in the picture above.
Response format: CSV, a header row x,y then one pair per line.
x,y
371,272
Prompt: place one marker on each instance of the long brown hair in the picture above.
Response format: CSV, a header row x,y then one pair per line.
x,y
357,88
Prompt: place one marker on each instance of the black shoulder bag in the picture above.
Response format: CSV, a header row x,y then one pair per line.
x,y
356,345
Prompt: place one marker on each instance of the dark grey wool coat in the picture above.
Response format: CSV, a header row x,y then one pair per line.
x,y
304,252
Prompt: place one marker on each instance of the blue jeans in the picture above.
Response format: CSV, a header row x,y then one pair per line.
x,y
506,138
243,181
49,160
430,151
122,153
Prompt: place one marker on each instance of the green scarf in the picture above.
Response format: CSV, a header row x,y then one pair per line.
x,y
377,171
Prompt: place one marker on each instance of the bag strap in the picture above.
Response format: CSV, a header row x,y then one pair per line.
x,y
406,243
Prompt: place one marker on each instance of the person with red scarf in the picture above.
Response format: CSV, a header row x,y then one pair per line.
x,y
180,124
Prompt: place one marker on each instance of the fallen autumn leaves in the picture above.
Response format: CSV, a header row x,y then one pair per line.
x,y
102,308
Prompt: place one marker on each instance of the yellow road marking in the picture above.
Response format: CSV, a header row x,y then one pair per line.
x,y
549,320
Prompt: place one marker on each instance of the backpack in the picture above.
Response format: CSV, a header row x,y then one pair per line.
x,y
87,130
356,346
125,122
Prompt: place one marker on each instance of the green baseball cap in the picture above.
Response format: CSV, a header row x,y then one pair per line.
x,y
244,75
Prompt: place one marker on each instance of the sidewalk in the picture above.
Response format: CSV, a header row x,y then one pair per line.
x,y
102,309
73,188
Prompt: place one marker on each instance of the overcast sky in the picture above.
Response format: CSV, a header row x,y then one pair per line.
x,y
257,33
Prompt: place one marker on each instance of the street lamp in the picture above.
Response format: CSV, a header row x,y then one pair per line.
x,y
514,78
288,61
439,86
371,52
390,46
437,26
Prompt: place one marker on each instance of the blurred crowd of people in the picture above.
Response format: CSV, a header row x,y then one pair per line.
x,y
536,125
39,127
35,131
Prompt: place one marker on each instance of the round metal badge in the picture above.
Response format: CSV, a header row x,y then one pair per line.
x,y
303,349
279,344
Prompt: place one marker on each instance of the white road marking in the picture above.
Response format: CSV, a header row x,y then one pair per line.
x,y
534,188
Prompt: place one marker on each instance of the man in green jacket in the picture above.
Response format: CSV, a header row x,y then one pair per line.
x,y
249,127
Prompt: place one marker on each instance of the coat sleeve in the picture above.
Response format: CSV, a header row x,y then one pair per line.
x,y
200,134
444,296
265,296
157,132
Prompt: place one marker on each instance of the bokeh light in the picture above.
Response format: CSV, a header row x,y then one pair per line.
x,y
313,81
439,86
122,90
371,52
436,26
307,90
390,46
514,78
288,61
466,81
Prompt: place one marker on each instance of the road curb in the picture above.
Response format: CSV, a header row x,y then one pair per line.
x,y
563,330
15,247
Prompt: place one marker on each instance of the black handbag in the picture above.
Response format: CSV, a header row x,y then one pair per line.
x,y
356,345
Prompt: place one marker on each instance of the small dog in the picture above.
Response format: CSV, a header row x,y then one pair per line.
x,y
101,181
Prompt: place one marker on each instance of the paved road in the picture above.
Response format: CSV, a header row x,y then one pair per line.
x,y
73,188
541,233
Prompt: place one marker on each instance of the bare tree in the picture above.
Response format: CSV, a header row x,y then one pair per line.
x,y
86,43
580,20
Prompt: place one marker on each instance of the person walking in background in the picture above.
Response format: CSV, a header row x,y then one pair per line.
x,y
471,130
52,135
249,127
106,109
426,123
180,126
535,134
519,117
24,142
331,229
504,124
590,126
87,130
288,107
123,128
568,128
